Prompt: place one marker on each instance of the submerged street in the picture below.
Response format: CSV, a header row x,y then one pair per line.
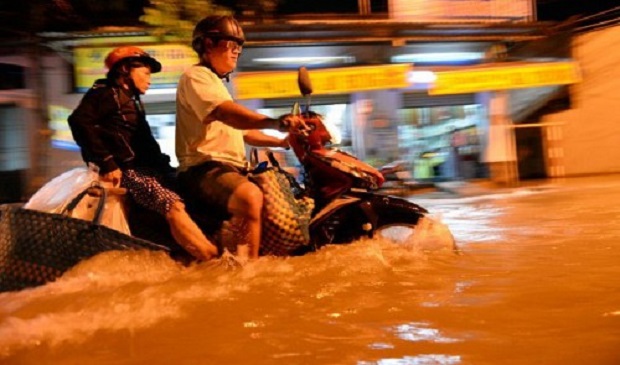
x,y
536,282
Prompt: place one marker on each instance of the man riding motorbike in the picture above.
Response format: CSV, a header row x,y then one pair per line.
x,y
212,130
111,129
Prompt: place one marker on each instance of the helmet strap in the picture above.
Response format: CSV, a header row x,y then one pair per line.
x,y
225,76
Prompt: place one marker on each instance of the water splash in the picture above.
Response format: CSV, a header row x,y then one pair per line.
x,y
430,234
116,292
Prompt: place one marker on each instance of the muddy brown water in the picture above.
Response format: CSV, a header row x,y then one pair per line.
x,y
537,282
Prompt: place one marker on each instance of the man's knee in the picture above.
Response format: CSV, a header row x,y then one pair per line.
x,y
247,200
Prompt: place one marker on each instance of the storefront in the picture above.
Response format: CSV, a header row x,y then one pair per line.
x,y
455,126
441,128
441,135
440,131
501,88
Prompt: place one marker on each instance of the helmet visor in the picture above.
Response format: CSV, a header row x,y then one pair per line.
x,y
154,65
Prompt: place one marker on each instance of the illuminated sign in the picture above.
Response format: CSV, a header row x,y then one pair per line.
x,y
503,78
61,133
88,63
481,11
264,85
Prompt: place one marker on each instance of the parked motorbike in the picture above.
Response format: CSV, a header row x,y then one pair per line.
x,y
348,206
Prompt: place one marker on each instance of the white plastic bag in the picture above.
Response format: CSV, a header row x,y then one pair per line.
x,y
114,213
54,197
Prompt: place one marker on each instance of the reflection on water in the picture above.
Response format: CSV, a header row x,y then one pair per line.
x,y
536,282
418,360
420,332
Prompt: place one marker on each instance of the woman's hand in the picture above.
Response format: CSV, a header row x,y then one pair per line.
x,y
113,177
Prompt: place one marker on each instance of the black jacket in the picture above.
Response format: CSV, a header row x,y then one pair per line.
x,y
112,132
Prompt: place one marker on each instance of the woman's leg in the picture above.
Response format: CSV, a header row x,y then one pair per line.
x,y
187,233
147,190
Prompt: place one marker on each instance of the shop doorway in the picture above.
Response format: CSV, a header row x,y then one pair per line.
x,y
530,153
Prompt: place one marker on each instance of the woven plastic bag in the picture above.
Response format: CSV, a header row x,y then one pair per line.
x,y
38,247
285,216
54,197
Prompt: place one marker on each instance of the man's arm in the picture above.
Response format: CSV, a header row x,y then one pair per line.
x,y
257,138
240,117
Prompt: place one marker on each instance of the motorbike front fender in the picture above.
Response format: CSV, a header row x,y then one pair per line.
x,y
359,214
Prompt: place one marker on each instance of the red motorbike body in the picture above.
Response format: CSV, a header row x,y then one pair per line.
x,y
331,171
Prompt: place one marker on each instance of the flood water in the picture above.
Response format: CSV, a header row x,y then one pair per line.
x,y
537,282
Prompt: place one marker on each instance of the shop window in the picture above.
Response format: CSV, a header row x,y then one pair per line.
x,y
442,142
410,117
12,77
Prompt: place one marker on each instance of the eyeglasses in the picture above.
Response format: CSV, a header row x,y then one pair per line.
x,y
231,45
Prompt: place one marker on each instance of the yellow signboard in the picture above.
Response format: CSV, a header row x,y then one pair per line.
x,y
264,85
505,77
174,59
61,134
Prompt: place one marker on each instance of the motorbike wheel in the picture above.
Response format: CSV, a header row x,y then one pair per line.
x,y
374,215
405,224
397,220
399,233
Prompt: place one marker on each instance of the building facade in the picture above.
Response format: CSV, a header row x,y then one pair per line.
x,y
451,102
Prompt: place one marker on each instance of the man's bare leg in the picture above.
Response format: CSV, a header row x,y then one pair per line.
x,y
245,205
187,233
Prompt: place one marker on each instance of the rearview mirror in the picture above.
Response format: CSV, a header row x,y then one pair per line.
x,y
305,86
303,81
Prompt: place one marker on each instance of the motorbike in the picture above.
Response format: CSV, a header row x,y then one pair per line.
x,y
348,203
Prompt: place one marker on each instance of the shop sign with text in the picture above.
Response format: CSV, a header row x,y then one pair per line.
x,y
89,64
264,85
471,80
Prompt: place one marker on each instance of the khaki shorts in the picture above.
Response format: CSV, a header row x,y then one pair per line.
x,y
212,183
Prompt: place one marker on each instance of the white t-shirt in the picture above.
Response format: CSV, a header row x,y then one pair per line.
x,y
199,92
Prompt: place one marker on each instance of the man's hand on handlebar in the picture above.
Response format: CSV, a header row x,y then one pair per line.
x,y
284,143
292,123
